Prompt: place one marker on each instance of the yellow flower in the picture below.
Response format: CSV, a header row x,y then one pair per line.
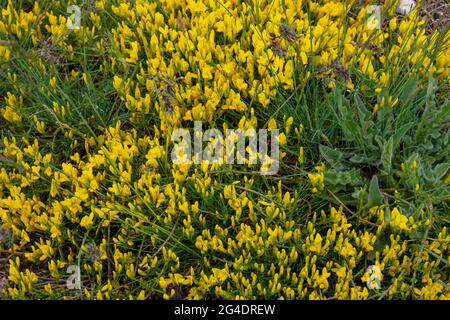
x,y
399,220
304,58
10,115
87,221
220,274
393,23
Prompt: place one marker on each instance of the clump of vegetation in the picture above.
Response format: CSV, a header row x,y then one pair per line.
x,y
359,208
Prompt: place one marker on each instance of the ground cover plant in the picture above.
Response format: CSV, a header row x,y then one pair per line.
x,y
358,209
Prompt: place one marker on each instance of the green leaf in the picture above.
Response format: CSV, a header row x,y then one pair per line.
x,y
375,197
334,178
350,128
440,170
383,240
332,156
400,132
362,110
386,155
432,87
435,134
409,90
428,145
371,255
357,158
381,142
444,113
427,172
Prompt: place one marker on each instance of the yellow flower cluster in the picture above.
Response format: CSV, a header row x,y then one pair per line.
x,y
139,226
289,261
317,179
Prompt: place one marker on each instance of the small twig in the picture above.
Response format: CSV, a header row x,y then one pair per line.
x,y
340,202
166,241
135,11
7,43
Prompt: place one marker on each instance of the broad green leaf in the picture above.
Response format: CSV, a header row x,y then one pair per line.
x,y
332,156
435,134
428,145
375,197
400,132
427,172
432,87
352,177
357,158
362,110
444,113
381,142
386,155
350,128
409,90
440,170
